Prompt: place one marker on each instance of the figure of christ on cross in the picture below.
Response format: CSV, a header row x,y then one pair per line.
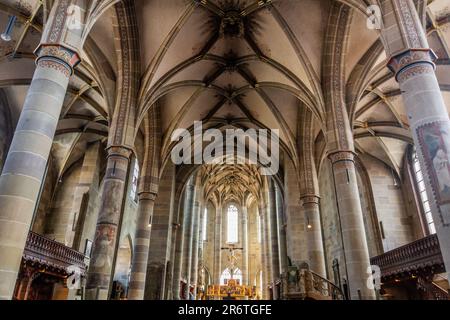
x,y
232,259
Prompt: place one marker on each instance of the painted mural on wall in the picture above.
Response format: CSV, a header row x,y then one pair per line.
x,y
435,144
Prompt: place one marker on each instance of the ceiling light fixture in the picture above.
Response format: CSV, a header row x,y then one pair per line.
x,y
6,36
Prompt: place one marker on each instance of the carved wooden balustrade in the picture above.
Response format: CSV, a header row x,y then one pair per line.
x,y
418,255
46,252
319,288
304,284
432,289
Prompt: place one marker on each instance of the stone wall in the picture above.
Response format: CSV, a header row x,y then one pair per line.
x,y
389,204
371,224
295,232
254,252
412,200
382,202
57,220
92,211
161,232
128,227
43,207
77,196
127,233
208,245
330,222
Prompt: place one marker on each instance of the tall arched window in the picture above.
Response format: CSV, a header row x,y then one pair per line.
x,y
258,228
134,185
227,275
420,186
232,224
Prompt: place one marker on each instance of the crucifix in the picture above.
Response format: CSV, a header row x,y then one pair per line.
x,y
232,259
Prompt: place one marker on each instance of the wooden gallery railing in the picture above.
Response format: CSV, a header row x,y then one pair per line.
x,y
42,250
421,259
415,256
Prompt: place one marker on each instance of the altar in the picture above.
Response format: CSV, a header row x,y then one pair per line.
x,y
231,290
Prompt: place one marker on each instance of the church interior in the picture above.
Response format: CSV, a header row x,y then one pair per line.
x,y
356,93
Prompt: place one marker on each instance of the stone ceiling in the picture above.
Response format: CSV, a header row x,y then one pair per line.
x,y
249,64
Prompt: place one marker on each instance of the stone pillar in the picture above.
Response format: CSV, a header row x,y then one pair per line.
x,y
311,210
411,59
245,246
273,236
265,255
148,191
25,165
88,176
178,254
295,222
201,247
309,190
352,225
188,232
170,294
121,139
195,244
141,248
218,245
340,146
108,223
282,242
159,250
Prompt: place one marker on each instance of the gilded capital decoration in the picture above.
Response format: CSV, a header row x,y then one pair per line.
x,y
57,57
412,62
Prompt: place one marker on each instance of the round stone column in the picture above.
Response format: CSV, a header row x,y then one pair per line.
x,y
178,255
354,240
311,209
218,245
273,236
25,165
282,242
104,248
265,253
141,248
188,227
195,245
430,126
244,227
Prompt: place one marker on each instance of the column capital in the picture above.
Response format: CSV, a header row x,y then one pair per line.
x,y
119,151
150,196
338,156
309,199
410,58
57,57
148,185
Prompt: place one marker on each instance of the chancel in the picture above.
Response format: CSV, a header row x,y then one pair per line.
x,y
336,185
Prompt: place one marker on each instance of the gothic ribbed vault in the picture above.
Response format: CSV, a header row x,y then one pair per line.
x,y
248,64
